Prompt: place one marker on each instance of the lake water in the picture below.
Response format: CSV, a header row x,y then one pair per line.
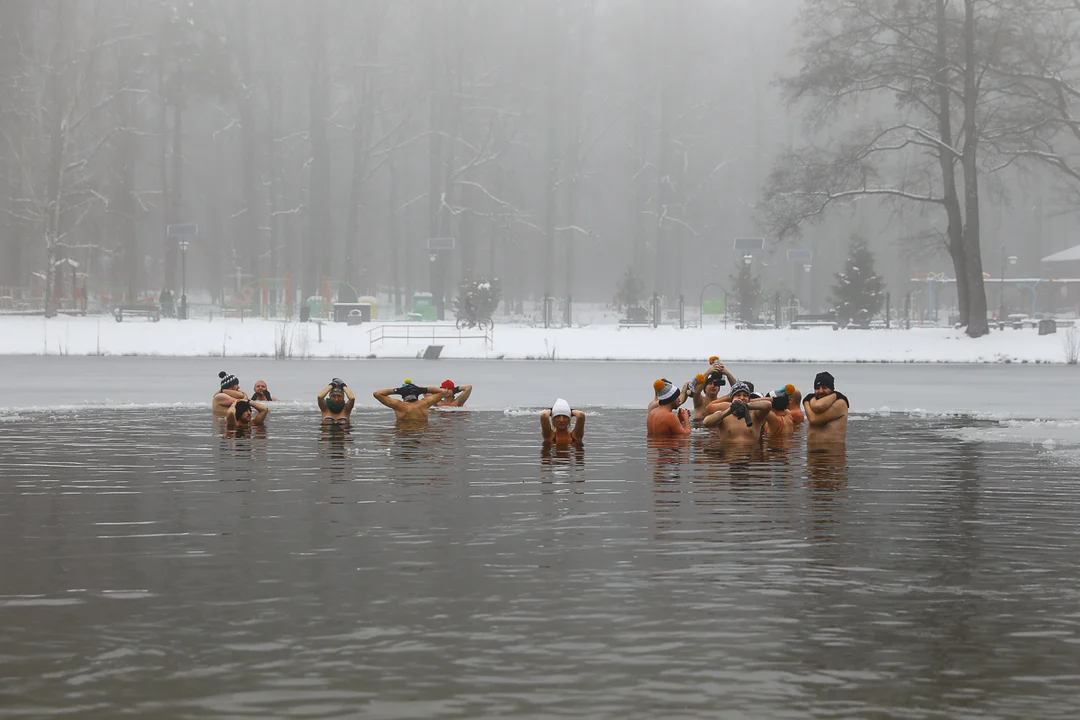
x,y
151,567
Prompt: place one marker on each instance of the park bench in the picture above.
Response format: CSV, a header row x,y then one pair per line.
x,y
148,311
821,320
636,317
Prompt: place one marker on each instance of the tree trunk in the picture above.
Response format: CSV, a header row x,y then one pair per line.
x,y
319,226
551,172
977,325
392,236
947,160
56,95
251,251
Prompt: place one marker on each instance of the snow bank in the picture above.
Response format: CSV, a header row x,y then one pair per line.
x,y
264,338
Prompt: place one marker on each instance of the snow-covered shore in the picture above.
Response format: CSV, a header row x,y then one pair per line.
x,y
265,338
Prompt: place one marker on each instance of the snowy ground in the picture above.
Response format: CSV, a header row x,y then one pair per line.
x,y
264,338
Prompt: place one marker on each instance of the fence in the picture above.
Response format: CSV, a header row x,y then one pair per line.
x,y
410,332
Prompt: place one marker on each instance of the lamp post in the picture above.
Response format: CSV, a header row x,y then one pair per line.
x,y
1001,291
183,245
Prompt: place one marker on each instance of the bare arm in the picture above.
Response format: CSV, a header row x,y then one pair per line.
x,y
579,425
545,425
321,397
835,412
714,419
383,396
762,406
679,423
435,395
466,391
350,400
230,419
261,411
821,404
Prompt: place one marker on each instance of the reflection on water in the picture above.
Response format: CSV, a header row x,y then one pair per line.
x,y
159,567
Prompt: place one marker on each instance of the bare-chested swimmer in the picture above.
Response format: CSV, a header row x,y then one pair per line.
x,y
459,395
707,387
240,415
779,421
229,393
411,407
826,412
662,421
741,418
336,402
555,424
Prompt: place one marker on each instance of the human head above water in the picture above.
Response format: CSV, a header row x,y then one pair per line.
x,y
243,410
824,383
666,393
228,382
741,388
560,414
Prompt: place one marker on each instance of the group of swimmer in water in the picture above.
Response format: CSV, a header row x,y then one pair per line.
x,y
739,415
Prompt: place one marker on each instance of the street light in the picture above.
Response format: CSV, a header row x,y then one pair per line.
x,y
1001,291
183,245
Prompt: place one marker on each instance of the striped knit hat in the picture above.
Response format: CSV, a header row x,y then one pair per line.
x,y
227,380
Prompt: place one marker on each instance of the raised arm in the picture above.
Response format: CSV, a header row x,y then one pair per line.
x,y
679,422
321,397
761,406
465,391
820,404
383,396
434,396
350,399
261,411
579,425
545,425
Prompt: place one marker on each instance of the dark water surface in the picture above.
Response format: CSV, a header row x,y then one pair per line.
x,y
151,568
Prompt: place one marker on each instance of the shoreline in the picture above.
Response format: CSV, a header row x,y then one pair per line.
x,y
102,336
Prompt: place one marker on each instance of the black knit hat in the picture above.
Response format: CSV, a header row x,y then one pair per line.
x,y
227,380
824,379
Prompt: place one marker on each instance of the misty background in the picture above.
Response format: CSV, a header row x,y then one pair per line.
x,y
560,142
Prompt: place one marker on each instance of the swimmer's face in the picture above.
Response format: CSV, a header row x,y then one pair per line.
x,y
711,390
336,396
745,397
822,391
561,422
260,387
244,416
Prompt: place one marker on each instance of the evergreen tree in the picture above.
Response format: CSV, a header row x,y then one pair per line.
x,y
747,291
858,292
478,298
630,290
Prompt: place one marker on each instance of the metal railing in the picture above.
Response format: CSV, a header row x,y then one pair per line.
x,y
410,332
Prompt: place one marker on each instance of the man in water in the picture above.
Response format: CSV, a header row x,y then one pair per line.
x,y
240,415
336,402
411,408
458,395
555,424
261,393
741,418
826,412
662,422
707,388
229,393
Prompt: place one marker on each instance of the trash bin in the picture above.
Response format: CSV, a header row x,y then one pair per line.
x,y
355,317
1047,326
305,313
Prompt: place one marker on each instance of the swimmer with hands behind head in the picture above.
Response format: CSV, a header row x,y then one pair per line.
x,y
555,424
240,414
411,407
336,402
458,395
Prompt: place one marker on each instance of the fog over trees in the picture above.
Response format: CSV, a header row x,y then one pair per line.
x,y
561,143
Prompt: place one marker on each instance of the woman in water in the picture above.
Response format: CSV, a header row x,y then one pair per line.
x,y
336,402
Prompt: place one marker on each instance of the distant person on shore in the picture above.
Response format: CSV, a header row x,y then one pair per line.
x,y
261,393
662,421
229,393
240,414
826,412
411,407
458,395
336,402
555,424
740,417
707,386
